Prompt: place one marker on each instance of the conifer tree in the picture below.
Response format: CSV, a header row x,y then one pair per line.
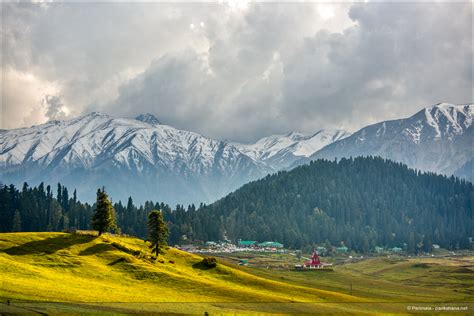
x,y
104,215
157,231
16,222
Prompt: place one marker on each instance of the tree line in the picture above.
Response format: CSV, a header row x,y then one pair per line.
x,y
40,209
360,203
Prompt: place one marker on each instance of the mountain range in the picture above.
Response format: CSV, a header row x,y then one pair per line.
x,y
146,159
130,157
438,139
281,151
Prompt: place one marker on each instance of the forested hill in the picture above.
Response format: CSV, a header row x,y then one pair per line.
x,y
361,202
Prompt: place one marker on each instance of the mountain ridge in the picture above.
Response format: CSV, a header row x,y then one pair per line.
x,y
149,160
95,146
280,150
438,138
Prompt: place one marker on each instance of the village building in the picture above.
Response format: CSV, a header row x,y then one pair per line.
x,y
321,250
246,243
270,244
342,249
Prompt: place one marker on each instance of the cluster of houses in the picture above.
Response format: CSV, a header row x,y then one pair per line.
x,y
266,245
228,247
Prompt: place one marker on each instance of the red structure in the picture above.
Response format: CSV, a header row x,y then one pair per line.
x,y
314,262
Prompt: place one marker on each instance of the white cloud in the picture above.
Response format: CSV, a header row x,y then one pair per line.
x,y
238,70
326,11
22,95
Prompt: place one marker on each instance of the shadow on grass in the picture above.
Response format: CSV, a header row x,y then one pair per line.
x,y
201,266
48,245
121,259
95,249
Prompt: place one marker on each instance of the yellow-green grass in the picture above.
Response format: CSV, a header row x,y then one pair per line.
x,y
83,268
387,279
59,272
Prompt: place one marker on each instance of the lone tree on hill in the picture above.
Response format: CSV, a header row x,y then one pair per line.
x,y
157,231
104,215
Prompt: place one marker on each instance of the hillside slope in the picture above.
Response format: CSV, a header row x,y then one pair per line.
x,y
78,268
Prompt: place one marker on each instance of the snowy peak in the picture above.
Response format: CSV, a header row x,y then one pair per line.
x,y
295,136
441,121
437,138
320,139
280,151
148,118
454,118
130,157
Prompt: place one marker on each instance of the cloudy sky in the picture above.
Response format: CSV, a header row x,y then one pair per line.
x,y
234,70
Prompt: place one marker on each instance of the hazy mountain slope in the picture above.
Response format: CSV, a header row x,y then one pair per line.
x,y
140,158
280,151
466,171
438,138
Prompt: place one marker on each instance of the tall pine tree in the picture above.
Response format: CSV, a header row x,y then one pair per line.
x,y
104,215
157,231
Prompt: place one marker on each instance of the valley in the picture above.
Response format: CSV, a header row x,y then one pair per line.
x,y
83,273
237,157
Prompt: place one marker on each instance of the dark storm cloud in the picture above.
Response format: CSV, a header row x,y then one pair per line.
x,y
242,73
397,59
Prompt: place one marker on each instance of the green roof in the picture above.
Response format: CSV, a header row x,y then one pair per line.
x,y
343,248
247,242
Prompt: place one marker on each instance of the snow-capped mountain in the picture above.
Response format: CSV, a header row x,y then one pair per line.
x,y
280,151
130,157
148,118
438,138
148,160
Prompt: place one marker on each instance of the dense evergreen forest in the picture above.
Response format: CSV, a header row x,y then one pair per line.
x,y
40,209
361,203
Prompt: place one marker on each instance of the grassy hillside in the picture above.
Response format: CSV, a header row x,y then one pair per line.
x,y
84,273
84,268
395,279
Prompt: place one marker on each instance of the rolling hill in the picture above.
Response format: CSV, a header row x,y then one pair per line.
x,y
80,273
101,271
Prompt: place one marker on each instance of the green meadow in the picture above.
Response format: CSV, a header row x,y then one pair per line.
x,y
84,273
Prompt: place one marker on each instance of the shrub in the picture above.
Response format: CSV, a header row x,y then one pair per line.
x,y
210,262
